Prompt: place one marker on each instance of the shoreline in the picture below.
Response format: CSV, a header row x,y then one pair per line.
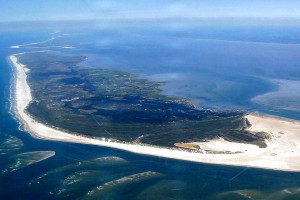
x,y
281,153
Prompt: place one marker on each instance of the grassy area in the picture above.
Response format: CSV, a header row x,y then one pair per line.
x,y
120,105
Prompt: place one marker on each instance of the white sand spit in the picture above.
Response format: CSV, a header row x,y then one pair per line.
x,y
223,145
282,152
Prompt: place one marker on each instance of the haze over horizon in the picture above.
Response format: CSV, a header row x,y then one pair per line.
x,y
56,10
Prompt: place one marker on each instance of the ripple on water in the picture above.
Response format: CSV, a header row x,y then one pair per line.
x,y
9,143
76,179
94,164
241,195
22,160
165,189
288,193
110,189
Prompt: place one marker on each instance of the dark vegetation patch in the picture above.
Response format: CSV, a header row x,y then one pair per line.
x,y
120,105
73,80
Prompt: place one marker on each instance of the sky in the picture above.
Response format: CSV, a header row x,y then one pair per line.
x,y
44,10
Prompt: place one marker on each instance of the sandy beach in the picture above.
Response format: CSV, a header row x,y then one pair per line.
x,y
282,152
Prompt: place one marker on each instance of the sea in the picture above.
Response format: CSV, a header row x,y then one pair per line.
x,y
245,67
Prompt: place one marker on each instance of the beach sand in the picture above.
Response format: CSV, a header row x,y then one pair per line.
x,y
282,151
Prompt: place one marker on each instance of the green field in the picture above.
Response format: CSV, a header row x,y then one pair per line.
x,y
122,106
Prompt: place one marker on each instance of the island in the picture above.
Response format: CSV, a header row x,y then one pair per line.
x,y
57,98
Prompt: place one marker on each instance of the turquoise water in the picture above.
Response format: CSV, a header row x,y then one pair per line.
x,y
37,169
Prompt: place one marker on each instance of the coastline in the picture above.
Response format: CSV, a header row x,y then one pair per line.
x,y
281,153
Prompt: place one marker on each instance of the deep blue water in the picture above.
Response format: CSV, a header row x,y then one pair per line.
x,y
76,169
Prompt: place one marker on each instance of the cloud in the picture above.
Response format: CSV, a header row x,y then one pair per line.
x,y
146,9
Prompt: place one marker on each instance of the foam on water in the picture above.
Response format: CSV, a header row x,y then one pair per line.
x,y
69,183
9,143
96,163
106,188
25,159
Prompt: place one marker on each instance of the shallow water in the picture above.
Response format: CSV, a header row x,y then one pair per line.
x,y
213,72
78,171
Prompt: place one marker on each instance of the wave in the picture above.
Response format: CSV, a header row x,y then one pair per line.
x,y
109,187
9,143
22,160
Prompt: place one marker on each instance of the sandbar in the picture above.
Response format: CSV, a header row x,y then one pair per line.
x,y
282,151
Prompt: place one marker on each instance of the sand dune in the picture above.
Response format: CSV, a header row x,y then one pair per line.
x,y
282,152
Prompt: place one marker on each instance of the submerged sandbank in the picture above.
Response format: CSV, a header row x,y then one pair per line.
x,y
281,153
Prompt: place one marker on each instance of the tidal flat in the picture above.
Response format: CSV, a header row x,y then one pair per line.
x,y
68,174
120,105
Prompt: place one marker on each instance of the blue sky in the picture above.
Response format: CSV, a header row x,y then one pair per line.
x,y
40,10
